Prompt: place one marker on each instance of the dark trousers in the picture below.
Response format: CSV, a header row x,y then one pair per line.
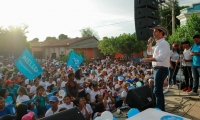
x,y
173,73
187,72
160,75
196,74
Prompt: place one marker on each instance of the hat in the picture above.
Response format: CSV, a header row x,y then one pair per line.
x,y
159,27
100,78
110,74
117,86
120,78
129,81
53,99
175,45
9,82
93,71
186,42
28,86
28,116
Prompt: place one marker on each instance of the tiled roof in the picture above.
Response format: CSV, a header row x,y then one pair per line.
x,y
58,42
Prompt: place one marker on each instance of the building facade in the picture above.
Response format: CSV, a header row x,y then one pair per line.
x,y
185,13
54,49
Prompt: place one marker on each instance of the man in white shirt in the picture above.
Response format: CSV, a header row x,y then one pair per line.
x,y
160,61
43,82
187,63
54,106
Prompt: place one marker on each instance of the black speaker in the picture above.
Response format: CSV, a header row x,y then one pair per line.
x,y
141,98
70,114
146,12
146,17
144,33
144,3
141,23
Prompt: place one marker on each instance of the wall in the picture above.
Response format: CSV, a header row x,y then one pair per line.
x,y
87,51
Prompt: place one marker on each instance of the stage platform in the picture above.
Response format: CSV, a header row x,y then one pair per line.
x,y
181,105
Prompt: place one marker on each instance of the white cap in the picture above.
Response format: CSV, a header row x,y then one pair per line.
x,y
117,86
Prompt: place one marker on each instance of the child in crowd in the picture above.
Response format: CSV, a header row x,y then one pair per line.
x,y
68,104
41,100
71,86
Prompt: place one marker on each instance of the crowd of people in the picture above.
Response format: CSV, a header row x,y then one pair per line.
x,y
95,87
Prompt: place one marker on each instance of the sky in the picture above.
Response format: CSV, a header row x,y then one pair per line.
x,y
54,17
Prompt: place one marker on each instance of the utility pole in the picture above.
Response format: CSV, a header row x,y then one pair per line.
x,y
173,16
171,4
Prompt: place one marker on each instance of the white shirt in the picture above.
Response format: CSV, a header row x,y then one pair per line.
x,y
48,84
89,109
174,56
63,84
187,56
50,112
64,105
93,94
81,83
33,89
43,83
161,52
22,98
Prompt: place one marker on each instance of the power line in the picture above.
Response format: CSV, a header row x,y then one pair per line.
x,y
107,25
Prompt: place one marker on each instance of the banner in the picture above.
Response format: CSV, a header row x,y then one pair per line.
x,y
74,60
27,65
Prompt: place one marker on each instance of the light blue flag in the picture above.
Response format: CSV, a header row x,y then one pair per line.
x,y
27,65
74,60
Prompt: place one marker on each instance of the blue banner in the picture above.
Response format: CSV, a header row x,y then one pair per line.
x,y
74,60
27,65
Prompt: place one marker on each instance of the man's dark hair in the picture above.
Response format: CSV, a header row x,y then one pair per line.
x,y
196,36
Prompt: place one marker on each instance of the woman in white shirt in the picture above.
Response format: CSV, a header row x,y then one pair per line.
x,y
22,95
81,83
174,65
187,64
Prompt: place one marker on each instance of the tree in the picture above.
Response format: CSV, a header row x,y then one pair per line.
x,y
62,37
35,40
187,31
13,40
166,15
50,39
125,44
88,32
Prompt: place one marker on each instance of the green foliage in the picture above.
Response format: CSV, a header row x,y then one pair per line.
x,y
35,40
62,37
125,44
50,39
65,57
13,40
88,32
187,31
166,15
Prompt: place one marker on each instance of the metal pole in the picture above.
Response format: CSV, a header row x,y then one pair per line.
x,y
173,16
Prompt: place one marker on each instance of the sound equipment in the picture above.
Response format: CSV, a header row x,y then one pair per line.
x,y
141,98
146,17
70,114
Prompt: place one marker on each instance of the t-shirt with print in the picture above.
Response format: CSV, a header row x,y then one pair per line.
x,y
40,101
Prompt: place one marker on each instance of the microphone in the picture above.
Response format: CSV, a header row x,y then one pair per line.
x,y
150,39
